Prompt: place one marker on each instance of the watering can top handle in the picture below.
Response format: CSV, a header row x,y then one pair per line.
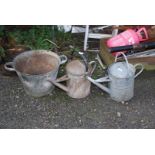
x,y
127,63
63,59
9,66
121,53
124,58
142,68
93,65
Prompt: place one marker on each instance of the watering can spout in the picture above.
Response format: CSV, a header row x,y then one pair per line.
x,y
107,90
61,86
61,79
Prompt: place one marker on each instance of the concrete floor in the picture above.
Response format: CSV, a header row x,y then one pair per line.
x,y
57,110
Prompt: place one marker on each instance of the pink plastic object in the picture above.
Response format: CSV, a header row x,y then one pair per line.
x,y
128,37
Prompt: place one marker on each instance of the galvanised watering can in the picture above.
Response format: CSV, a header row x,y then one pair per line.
x,y
120,77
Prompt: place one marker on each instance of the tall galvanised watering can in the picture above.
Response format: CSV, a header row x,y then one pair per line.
x,y
120,78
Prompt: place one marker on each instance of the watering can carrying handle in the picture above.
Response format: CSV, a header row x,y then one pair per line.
x,y
142,68
121,53
9,66
63,59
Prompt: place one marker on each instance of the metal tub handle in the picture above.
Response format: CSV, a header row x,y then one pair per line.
x,y
9,66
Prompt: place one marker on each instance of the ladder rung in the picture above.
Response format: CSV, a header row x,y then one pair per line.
x,y
99,36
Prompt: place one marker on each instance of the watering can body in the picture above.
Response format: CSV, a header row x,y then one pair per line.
x,y
121,89
78,87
